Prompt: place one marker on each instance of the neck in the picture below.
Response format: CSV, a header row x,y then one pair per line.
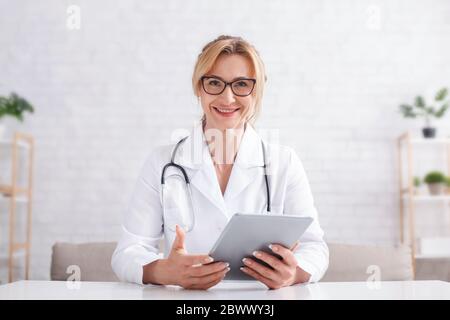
x,y
223,144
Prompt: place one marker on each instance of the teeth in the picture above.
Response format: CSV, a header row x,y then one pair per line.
x,y
226,110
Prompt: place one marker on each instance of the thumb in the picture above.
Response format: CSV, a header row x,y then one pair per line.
x,y
178,243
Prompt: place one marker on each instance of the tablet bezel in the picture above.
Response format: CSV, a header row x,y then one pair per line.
x,y
288,238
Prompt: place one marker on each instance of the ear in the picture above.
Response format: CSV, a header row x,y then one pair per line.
x,y
197,92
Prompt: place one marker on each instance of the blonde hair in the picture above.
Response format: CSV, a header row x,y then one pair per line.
x,y
231,45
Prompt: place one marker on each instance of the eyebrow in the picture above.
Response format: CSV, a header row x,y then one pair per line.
x,y
237,78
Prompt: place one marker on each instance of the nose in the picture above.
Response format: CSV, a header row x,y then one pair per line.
x,y
228,95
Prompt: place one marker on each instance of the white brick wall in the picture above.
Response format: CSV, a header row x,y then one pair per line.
x,y
102,99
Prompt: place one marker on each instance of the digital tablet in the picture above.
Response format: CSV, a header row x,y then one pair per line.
x,y
246,233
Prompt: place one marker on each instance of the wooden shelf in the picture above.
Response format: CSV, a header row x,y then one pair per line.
x,y
8,190
5,257
408,199
16,199
436,141
428,198
13,193
432,256
409,138
9,143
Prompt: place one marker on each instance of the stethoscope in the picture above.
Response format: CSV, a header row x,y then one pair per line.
x,y
189,226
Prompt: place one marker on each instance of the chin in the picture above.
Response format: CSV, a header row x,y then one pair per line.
x,y
226,125
223,124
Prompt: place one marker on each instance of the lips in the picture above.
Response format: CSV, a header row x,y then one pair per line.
x,y
226,112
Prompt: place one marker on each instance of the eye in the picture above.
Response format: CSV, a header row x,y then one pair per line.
x,y
214,83
242,84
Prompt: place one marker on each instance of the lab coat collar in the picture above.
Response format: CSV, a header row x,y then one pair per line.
x,y
194,152
248,164
194,155
250,151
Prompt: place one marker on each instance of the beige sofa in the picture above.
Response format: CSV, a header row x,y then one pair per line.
x,y
93,259
361,262
347,262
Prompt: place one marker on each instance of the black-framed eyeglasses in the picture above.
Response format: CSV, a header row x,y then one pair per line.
x,y
241,87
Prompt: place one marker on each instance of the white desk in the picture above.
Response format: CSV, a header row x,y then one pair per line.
x,y
226,291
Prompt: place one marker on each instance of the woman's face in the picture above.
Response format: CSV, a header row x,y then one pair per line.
x,y
224,111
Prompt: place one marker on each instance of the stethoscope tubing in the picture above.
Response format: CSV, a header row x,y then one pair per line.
x,y
187,181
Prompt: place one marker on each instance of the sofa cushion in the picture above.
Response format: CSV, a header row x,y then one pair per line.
x,y
352,262
93,259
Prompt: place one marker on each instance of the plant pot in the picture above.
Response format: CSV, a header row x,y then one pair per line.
x,y
429,132
436,188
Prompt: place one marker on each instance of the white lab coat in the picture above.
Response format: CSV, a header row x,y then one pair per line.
x,y
143,226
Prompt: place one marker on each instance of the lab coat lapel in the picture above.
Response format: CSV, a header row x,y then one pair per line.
x,y
205,181
195,158
248,165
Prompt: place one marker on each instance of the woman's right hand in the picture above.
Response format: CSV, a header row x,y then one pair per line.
x,y
185,270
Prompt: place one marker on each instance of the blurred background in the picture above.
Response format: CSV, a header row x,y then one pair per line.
x,y
110,80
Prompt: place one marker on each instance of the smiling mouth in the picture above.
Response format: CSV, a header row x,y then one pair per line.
x,y
226,111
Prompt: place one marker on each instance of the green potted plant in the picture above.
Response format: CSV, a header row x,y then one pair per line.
x,y
447,183
417,183
13,106
436,182
421,109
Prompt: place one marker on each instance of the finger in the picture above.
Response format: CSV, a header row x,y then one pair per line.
x,y
285,253
214,283
268,282
262,270
210,278
178,243
271,260
295,246
210,284
196,259
205,270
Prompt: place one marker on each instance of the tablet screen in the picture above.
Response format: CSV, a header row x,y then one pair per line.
x,y
246,233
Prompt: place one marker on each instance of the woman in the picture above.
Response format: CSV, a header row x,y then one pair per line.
x,y
223,160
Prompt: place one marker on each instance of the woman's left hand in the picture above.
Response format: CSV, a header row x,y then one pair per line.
x,y
285,272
